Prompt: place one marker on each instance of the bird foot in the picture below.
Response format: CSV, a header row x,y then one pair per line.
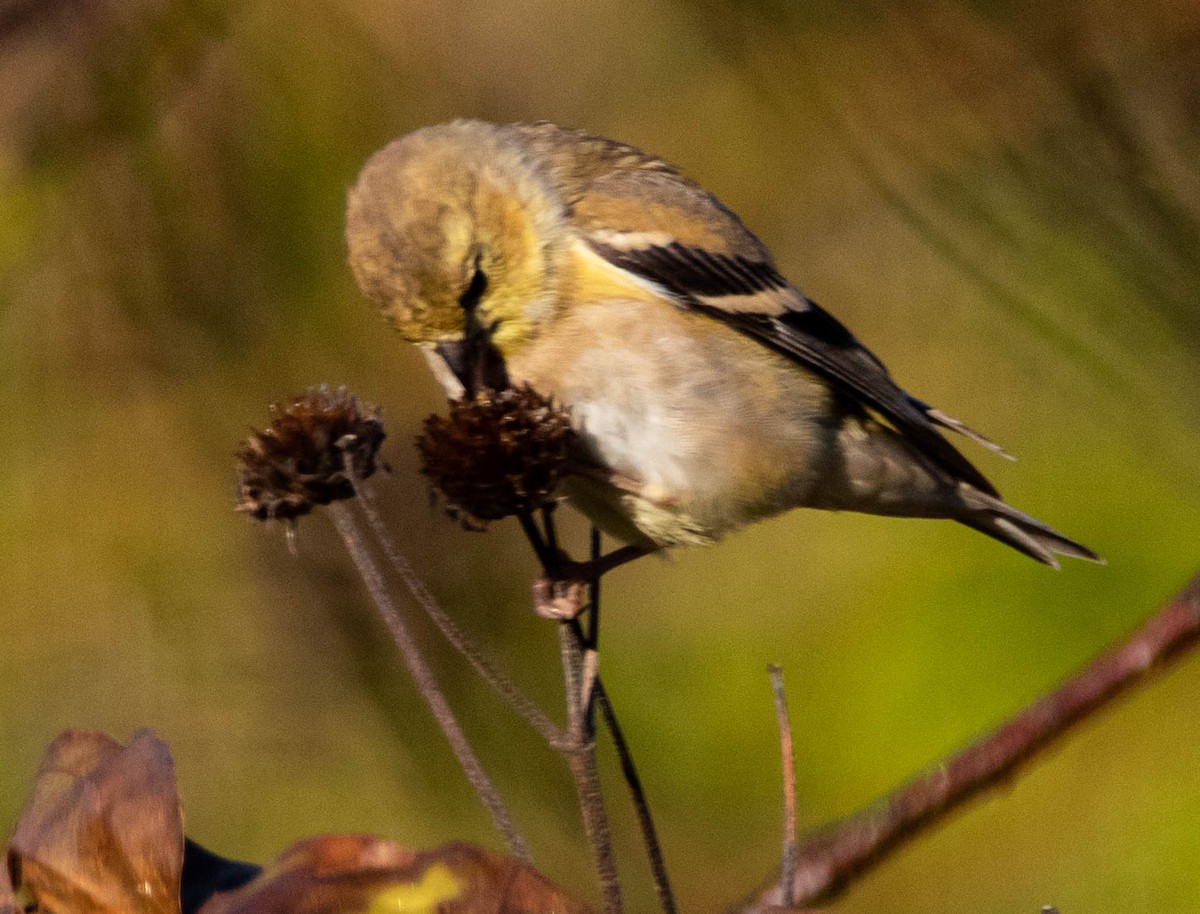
x,y
561,598
558,600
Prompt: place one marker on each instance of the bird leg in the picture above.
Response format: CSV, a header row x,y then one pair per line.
x,y
558,596
594,568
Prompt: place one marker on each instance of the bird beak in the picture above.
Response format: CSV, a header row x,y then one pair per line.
x,y
474,360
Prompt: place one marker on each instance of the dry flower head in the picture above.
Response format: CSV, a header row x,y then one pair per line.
x,y
498,453
300,461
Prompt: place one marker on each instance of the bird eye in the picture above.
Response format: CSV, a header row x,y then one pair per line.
x,y
475,289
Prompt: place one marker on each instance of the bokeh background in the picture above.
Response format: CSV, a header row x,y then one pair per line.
x,y
1001,198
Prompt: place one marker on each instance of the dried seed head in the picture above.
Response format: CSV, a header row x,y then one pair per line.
x,y
497,453
300,461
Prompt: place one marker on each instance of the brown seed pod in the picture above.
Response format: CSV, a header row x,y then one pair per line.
x,y
498,453
300,461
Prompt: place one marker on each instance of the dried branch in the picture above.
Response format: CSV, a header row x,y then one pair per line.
x,y
830,861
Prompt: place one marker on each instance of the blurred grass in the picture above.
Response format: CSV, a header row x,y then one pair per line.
x,y
1001,198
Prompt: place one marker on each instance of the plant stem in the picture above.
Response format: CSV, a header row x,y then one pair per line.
x,y
580,754
788,866
461,642
351,535
658,866
595,695
592,694
579,747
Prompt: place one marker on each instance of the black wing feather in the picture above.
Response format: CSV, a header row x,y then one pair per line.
x,y
812,337
692,271
855,370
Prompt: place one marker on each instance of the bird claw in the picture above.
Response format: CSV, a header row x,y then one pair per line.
x,y
558,600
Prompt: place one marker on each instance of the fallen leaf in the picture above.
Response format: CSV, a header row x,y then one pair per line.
x,y
102,832
8,902
367,875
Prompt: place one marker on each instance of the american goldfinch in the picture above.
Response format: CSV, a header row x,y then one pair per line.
x,y
709,390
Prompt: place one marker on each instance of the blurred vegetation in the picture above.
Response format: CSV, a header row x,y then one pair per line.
x,y
1002,198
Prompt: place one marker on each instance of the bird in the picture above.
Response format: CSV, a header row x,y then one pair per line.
x,y
711,392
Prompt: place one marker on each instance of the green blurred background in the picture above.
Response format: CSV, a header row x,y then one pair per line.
x,y
1001,198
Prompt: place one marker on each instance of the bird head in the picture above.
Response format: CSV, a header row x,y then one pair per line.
x,y
455,235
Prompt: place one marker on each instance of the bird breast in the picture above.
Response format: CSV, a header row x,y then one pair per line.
x,y
703,429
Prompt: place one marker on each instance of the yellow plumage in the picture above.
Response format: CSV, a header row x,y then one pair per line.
x,y
708,390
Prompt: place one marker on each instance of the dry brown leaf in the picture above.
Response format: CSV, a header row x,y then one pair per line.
x,y
367,875
8,903
102,832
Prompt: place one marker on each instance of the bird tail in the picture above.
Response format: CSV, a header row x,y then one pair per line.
x,y
1026,534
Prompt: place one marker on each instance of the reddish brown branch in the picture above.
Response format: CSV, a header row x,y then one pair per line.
x,y
831,860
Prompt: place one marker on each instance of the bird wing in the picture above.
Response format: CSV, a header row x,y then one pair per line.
x,y
643,216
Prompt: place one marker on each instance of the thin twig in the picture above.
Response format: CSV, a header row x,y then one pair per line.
x,y
597,696
788,866
580,756
830,861
351,535
589,678
461,642
579,748
658,866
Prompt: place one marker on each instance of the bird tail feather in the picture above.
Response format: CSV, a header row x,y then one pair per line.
x,y
937,417
1015,528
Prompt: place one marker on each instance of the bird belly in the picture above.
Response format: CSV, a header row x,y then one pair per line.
x,y
698,430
